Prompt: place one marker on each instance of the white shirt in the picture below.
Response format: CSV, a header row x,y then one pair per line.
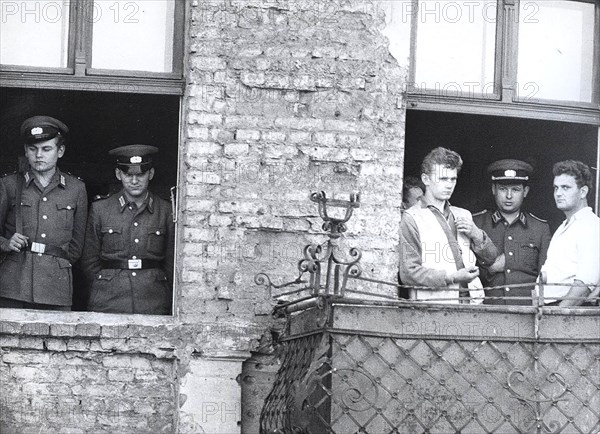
x,y
574,253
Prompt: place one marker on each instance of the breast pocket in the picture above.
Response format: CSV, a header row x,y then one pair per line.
x,y
26,213
112,239
66,212
530,253
156,240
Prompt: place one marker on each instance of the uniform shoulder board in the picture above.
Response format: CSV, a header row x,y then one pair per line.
x,y
101,197
8,174
537,218
74,176
480,213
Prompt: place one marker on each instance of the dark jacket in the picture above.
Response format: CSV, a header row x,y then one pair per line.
x,y
55,216
118,230
524,243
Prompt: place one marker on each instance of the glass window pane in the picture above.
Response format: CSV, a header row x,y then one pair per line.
x,y
133,35
556,50
34,33
456,44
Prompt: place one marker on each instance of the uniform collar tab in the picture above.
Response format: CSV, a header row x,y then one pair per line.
x,y
496,217
523,218
149,202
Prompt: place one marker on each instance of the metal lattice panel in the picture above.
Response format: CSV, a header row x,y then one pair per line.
x,y
281,406
359,383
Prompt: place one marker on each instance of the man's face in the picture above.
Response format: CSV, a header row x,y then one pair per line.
x,y
566,193
43,156
441,181
135,186
413,196
509,197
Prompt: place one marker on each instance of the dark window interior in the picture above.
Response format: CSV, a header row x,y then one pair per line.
x,y
481,140
98,122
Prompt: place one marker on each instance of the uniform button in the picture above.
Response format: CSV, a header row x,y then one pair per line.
x,y
510,238
136,241
134,274
135,223
505,223
130,208
530,245
68,206
157,232
508,271
45,217
110,231
43,235
507,289
510,253
45,199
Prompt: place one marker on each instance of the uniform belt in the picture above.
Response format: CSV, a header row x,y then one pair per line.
x,y
131,264
47,249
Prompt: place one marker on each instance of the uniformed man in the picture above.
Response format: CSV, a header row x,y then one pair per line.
x,y
413,190
42,222
128,254
522,239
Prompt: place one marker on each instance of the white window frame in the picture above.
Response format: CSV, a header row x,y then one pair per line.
x,y
505,100
79,75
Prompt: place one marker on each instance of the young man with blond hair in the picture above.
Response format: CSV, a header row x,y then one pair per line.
x,y
439,243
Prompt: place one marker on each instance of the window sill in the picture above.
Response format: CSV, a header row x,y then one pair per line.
x,y
161,336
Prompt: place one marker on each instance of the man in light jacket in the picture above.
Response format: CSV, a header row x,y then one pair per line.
x,y
439,242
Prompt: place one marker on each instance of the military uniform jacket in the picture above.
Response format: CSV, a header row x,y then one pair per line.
x,y
524,243
54,215
118,230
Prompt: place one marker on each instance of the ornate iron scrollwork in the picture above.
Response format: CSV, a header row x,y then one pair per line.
x,y
328,271
534,402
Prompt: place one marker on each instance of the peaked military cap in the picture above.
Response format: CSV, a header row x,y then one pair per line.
x,y
506,171
42,128
134,159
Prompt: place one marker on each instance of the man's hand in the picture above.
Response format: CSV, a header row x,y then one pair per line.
x,y
465,275
498,265
470,229
15,243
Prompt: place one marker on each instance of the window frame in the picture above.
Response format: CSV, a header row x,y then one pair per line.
x,y
505,100
79,75
496,95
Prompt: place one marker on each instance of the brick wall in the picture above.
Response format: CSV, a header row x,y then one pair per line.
x,y
285,98
83,377
85,372
85,392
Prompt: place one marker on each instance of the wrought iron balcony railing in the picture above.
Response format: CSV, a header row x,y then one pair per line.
x,y
360,361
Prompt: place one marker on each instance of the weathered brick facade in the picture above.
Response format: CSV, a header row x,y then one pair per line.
x,y
282,98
